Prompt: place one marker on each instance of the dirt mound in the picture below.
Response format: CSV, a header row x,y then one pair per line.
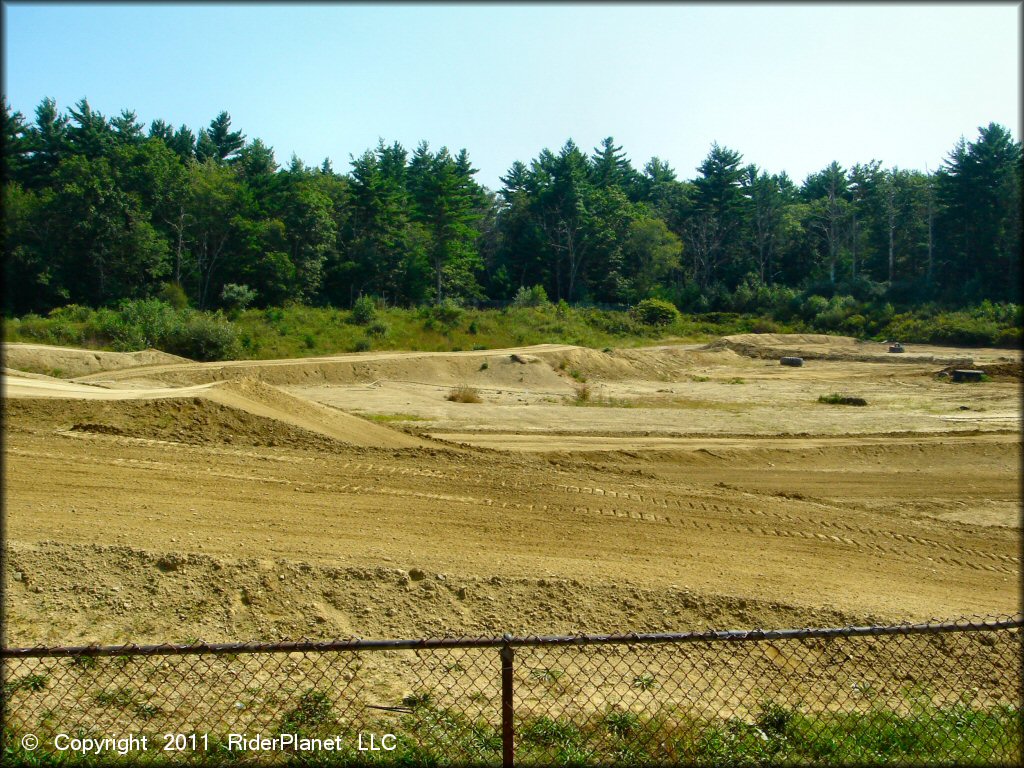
x,y
191,420
814,346
995,371
68,362
268,402
121,592
246,413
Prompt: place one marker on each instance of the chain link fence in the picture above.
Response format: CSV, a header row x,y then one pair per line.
x,y
936,693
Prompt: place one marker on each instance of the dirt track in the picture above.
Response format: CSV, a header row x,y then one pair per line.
x,y
136,510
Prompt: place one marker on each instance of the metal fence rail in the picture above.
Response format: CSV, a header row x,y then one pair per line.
x,y
938,693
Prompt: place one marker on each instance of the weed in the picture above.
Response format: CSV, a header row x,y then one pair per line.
x,y
583,393
621,723
313,710
837,399
551,675
35,682
484,365
122,697
464,394
416,700
147,711
699,378
644,682
737,380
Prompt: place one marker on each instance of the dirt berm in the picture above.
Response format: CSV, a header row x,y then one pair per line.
x,y
66,362
815,346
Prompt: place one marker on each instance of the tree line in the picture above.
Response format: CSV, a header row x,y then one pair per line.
x,y
101,209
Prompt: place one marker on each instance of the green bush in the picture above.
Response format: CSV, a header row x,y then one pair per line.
x,y
448,313
378,328
141,323
531,297
173,294
364,311
655,312
237,297
202,337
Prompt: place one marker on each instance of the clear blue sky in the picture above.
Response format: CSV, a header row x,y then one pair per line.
x,y
790,87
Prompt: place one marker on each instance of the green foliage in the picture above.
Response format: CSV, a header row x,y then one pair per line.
x,y
534,296
204,337
838,399
377,328
237,297
655,312
314,710
174,295
364,311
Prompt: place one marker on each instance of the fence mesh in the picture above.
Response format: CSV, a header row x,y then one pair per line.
x,y
940,694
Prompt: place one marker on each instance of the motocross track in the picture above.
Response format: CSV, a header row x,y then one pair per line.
x,y
160,500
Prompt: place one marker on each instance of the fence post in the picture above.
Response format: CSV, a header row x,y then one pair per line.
x,y
507,751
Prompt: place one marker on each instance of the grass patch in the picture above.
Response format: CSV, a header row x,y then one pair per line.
x,y
386,418
838,399
774,734
464,394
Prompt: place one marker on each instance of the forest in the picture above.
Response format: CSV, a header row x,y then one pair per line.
x,y
100,210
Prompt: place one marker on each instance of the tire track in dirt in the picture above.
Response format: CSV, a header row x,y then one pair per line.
x,y
717,527
694,506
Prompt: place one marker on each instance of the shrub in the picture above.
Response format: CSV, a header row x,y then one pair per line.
x,y
531,297
655,312
237,297
72,313
362,345
141,323
173,294
202,337
447,313
837,399
464,394
377,328
363,311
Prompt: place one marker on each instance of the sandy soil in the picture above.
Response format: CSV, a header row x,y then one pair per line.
x,y
173,500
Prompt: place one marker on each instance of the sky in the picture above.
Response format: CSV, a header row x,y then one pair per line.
x,y
791,87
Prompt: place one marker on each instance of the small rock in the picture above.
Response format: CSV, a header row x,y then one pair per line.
x,y
462,593
417,575
19,576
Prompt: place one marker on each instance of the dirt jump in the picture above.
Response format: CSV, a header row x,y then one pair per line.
x,y
154,499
